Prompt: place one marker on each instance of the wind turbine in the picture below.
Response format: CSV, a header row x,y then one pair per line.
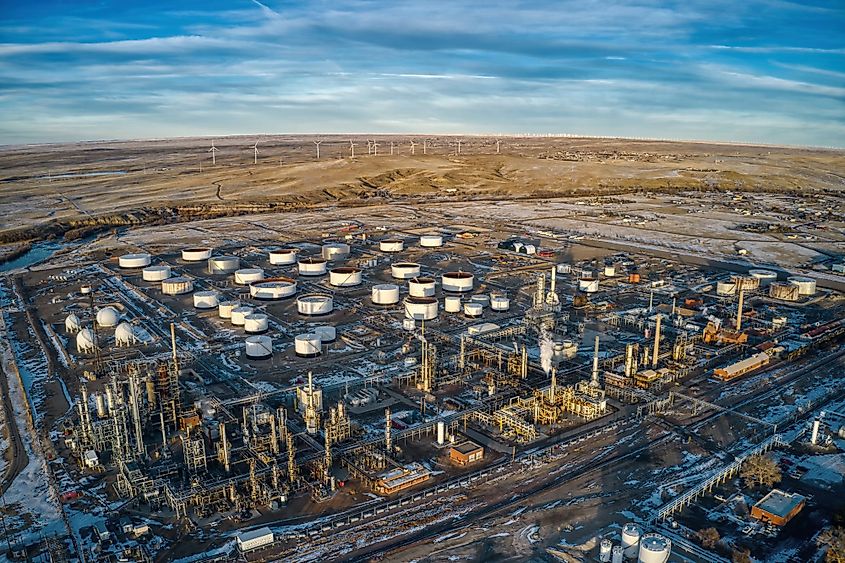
x,y
318,148
369,147
255,155
375,148
458,148
391,148
213,150
497,145
425,141
351,148
413,144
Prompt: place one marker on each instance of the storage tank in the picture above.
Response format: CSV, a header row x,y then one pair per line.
x,y
177,286
205,299
785,291
72,324
499,302
806,286
156,273
256,323
725,288
326,333
431,241
564,268
473,310
124,335
223,264
100,402
452,304
631,539
617,555
459,282
385,294
483,300
239,315
282,256
568,349
134,260
765,277
421,308
196,254
421,287
85,340
588,285
746,283
610,272
336,251
391,245
634,277
307,345
345,276
315,304
85,289
311,266
654,548
108,316
405,270
441,432
259,347
225,308
273,288
246,276
605,548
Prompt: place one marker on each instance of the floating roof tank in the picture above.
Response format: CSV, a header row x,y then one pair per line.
x,y
315,304
345,276
312,266
391,245
273,288
223,264
246,276
156,273
421,308
196,254
283,256
134,260
421,287
457,281
177,286
431,241
405,270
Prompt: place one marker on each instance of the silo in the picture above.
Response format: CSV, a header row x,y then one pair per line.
x,y
654,548
605,548
617,555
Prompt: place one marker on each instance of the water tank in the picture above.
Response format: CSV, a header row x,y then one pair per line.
x,y
499,302
273,288
311,266
765,277
256,323
617,555
315,304
259,347
85,340
588,285
223,264
124,335
345,276
654,548
196,254
240,313
326,333
108,316
385,294
205,299
483,300
391,245
177,286
421,287
156,273
452,304
725,288
473,310
405,270
225,308
421,308
72,324
605,548
246,276
806,286
282,256
134,260
631,533
431,241
336,251
307,345
459,282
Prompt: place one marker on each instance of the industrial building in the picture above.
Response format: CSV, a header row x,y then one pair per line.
x,y
778,507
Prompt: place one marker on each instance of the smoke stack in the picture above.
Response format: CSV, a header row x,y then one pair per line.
x,y
739,310
554,276
629,360
387,443
814,438
594,380
656,342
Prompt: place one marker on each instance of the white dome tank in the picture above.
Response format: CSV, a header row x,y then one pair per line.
x,y
431,241
239,315
315,304
588,285
223,264
336,251
196,254
134,260
421,308
256,323
225,308
385,294
108,316
259,347
85,340
725,288
246,276
307,345
654,548
766,277
177,286
473,310
631,533
457,281
391,245
421,287
282,256
452,304
72,324
605,548
483,300
345,276
405,270
156,273
499,302
124,335
205,299
273,288
326,333
806,286
312,266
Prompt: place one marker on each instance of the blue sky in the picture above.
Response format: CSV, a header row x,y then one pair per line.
x,y
750,71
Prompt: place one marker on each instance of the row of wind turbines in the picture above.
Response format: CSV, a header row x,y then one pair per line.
x,y
372,148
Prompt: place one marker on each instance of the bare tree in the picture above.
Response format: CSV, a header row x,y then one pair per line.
x,y
834,539
741,556
708,537
760,471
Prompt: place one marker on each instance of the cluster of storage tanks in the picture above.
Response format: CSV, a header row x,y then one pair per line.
x,y
644,548
107,317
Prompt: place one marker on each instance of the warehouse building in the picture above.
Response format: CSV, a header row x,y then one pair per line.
x,y
466,453
778,507
742,367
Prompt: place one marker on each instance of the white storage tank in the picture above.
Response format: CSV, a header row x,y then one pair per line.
x,y
315,304
139,260
609,272
473,310
391,245
223,264
239,315
747,283
564,268
806,286
282,256
605,548
85,289
177,286
307,345
459,282
566,349
631,533
124,335
225,308
156,273
205,299
273,288
385,294
725,288
483,300
246,276
85,340
196,254
256,323
499,302
421,287
421,308
765,277
452,304
311,266
588,285
326,333
654,548
431,241
405,270
72,324
259,347
336,251
108,316
345,276
617,555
